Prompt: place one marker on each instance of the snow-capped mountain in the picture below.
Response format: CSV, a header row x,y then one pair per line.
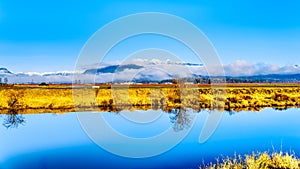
x,y
4,71
126,72
36,77
150,71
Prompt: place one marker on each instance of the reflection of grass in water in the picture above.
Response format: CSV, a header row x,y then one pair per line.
x,y
257,161
13,120
181,119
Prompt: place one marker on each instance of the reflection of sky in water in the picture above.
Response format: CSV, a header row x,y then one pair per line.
x,y
57,141
138,130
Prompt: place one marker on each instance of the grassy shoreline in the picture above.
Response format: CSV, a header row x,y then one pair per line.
x,y
64,98
263,160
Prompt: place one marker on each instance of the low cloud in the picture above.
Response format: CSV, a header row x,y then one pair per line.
x,y
244,68
152,70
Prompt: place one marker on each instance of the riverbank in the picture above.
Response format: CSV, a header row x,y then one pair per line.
x,y
257,161
61,98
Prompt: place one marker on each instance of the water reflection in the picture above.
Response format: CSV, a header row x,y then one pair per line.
x,y
120,108
13,119
281,108
59,142
181,119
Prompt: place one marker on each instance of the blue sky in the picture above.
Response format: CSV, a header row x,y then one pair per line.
x,y
48,35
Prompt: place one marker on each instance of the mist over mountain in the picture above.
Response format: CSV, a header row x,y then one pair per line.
x,y
244,68
150,71
112,69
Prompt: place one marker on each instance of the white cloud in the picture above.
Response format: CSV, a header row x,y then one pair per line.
x,y
244,68
151,69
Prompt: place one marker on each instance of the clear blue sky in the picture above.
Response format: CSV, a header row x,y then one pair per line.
x,y
48,35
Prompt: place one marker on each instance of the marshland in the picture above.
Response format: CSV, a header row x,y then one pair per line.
x,y
258,129
59,98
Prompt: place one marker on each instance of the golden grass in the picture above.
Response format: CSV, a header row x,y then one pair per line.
x,y
257,161
233,98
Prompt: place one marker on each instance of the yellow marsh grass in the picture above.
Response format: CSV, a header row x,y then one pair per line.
x,y
118,99
258,161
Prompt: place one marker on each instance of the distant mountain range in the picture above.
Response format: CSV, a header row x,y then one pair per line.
x,y
140,73
112,69
265,78
4,71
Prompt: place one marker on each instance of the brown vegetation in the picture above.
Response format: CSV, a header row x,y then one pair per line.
x,y
32,99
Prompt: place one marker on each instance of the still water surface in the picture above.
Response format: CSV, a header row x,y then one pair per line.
x,y
58,141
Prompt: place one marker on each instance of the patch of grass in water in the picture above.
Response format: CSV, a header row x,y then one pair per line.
x,y
264,160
